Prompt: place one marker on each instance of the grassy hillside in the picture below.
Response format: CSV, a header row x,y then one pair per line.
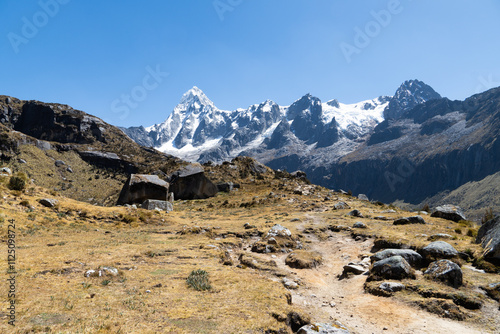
x,y
155,253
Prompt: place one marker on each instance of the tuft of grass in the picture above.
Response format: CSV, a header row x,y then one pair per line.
x,y
198,280
18,181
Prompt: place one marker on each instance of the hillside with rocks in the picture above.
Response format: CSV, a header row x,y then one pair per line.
x,y
384,148
270,254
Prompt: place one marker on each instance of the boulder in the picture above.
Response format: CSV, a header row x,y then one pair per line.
x,y
153,204
48,202
391,286
353,268
341,206
140,187
278,230
438,250
363,197
394,267
412,257
449,212
489,237
323,328
355,213
190,182
257,168
409,220
59,163
359,225
445,271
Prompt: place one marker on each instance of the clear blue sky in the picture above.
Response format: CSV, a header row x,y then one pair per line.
x,y
89,54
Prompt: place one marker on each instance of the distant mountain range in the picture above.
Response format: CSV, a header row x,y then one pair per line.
x,y
414,146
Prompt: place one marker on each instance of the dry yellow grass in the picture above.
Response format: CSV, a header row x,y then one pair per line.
x,y
156,251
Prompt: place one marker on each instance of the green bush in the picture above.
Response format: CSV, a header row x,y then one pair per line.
x,y
18,181
198,280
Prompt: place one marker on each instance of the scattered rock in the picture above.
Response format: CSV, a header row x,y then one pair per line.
x,y
6,170
341,206
226,259
489,237
48,202
363,197
355,213
449,212
289,284
104,271
225,187
323,328
438,250
359,225
394,267
257,168
59,163
440,236
69,170
391,286
355,269
412,257
445,271
409,220
190,182
256,263
301,259
140,187
21,161
153,204
278,230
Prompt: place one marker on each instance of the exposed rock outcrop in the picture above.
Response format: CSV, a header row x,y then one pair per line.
x,y
489,237
190,182
450,212
140,187
445,271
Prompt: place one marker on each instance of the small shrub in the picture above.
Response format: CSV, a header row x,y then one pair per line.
x,y
129,219
198,280
18,181
472,232
488,215
426,208
458,231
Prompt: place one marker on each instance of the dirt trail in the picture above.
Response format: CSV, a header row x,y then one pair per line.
x,y
361,312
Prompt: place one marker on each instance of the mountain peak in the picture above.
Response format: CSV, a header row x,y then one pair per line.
x,y
407,96
195,95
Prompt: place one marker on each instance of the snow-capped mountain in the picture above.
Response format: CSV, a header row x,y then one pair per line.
x,y
197,130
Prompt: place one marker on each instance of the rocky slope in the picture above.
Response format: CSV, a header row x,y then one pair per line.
x,y
72,152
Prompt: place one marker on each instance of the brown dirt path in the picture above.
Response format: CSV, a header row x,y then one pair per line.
x,y
359,311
